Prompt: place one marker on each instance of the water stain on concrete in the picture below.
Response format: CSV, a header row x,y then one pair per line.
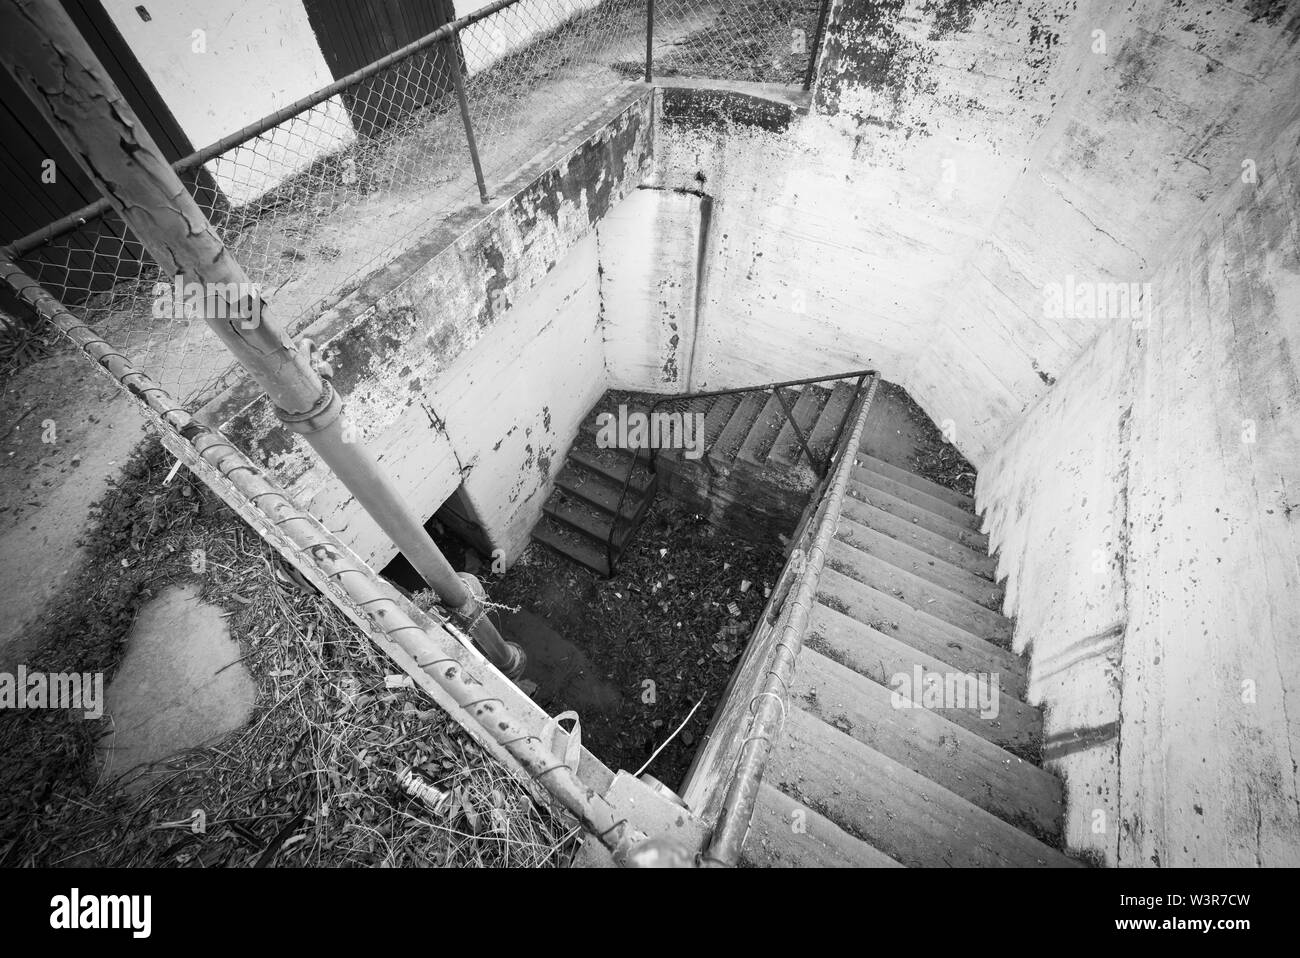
x,y
180,684
560,669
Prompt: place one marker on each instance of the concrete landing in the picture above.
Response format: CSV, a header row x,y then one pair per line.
x,y
173,690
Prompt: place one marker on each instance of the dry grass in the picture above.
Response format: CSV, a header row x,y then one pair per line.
x,y
312,779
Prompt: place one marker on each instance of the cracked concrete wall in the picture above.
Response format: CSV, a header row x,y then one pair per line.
x,y
471,357
1147,512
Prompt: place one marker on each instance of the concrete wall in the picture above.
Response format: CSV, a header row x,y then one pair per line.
x,y
472,357
222,64
1147,514
649,256
960,157
798,277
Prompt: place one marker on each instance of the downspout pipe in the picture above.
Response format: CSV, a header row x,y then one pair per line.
x,y
64,79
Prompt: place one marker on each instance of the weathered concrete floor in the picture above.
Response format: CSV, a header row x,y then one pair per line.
x,y
71,431
180,684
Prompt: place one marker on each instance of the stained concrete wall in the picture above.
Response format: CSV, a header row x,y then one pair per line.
x,y
650,246
473,356
1147,515
957,159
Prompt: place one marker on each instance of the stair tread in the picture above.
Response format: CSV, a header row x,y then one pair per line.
x,y
581,549
891,807
918,482
920,593
910,512
913,534
585,518
957,515
733,434
827,426
786,449
920,563
944,641
614,464
598,490
720,411
774,841
1016,791
878,656
762,433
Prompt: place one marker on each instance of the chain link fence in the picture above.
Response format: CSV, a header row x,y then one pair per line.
x,y
313,204
758,41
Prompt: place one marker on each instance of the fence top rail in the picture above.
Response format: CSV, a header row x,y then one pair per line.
x,y
78,218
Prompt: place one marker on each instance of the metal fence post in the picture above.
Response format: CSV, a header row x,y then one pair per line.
x,y
462,99
811,72
51,61
649,38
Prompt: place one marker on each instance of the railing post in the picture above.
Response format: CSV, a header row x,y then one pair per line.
x,y
51,61
649,39
811,72
458,81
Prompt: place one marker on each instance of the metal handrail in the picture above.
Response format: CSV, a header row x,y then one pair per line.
x,y
768,706
860,374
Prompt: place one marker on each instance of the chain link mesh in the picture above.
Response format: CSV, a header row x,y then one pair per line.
x,y
313,205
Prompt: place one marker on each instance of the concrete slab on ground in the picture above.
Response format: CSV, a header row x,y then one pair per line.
x,y
179,686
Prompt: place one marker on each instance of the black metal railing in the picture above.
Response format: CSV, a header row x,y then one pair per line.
x,y
820,463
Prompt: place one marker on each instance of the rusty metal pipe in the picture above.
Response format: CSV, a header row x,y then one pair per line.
x,y
65,80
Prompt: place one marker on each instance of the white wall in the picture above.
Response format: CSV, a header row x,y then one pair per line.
x,y
256,58
1146,513
649,248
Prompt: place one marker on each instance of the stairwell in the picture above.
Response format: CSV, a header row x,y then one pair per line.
x,y
856,780
753,462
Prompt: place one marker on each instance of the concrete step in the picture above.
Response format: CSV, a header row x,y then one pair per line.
x,y
910,512
719,414
613,464
763,432
922,500
880,657
921,594
920,563
581,516
597,489
891,807
920,483
827,426
723,452
924,632
786,450
913,534
785,834
966,764
572,544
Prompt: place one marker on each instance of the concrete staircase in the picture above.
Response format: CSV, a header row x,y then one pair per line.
x,y
747,436
854,780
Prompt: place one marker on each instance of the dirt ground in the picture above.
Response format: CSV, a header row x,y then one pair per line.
x,y
899,432
315,778
67,431
635,653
